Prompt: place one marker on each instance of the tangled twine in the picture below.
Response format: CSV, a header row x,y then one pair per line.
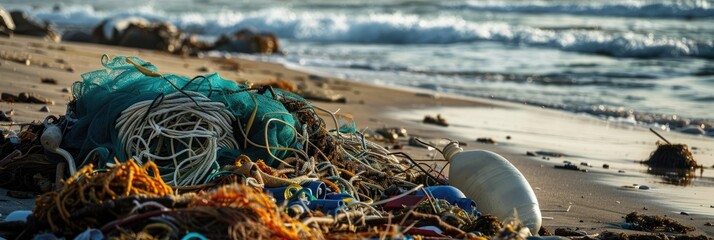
x,y
345,160
182,130
29,172
89,187
270,216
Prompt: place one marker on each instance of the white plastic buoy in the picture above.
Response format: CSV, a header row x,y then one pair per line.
x,y
51,139
497,187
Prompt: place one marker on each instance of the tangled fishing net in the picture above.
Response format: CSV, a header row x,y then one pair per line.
x,y
250,162
187,126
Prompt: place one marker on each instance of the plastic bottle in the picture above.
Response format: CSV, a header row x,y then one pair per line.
x,y
494,183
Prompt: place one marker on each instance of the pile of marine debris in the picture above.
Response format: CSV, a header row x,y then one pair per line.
x,y
159,155
207,158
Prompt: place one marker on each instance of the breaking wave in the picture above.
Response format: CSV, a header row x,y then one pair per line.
x,y
673,9
398,28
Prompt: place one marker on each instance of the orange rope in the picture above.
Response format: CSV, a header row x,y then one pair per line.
x,y
240,196
89,187
331,185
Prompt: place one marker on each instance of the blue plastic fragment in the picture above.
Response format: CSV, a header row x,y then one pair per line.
x,y
194,235
452,195
18,215
317,188
338,196
90,234
448,193
45,236
278,193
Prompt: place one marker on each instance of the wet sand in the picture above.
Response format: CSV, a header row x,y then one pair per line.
x,y
595,205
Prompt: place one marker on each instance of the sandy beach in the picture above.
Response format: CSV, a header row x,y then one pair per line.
x,y
591,201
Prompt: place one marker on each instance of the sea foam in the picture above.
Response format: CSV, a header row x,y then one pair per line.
x,y
661,9
397,28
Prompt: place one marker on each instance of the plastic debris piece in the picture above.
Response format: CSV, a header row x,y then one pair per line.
x,y
400,203
19,215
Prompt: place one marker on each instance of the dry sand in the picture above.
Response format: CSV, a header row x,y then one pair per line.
x,y
595,206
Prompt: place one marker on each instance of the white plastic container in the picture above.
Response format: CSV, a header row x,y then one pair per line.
x,y
494,184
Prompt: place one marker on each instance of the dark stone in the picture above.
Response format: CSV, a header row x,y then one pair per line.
x,y
204,69
26,25
139,33
76,36
568,167
7,97
550,154
438,120
30,97
49,81
249,41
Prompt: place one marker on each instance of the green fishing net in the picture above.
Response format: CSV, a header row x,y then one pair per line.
x,y
260,122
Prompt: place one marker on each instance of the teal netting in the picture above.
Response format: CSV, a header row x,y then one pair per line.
x,y
102,95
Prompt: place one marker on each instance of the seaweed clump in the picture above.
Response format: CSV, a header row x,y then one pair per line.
x,y
643,222
671,156
606,235
488,225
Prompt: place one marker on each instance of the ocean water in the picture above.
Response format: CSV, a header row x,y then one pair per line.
x,y
641,61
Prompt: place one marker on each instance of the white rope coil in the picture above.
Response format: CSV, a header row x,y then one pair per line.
x,y
182,131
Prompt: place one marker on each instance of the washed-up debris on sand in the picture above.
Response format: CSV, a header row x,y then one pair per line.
x,y
141,154
160,154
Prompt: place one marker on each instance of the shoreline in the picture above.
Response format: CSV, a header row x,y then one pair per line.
x,y
669,122
600,207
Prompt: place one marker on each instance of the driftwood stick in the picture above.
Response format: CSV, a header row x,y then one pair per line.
x,y
660,136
